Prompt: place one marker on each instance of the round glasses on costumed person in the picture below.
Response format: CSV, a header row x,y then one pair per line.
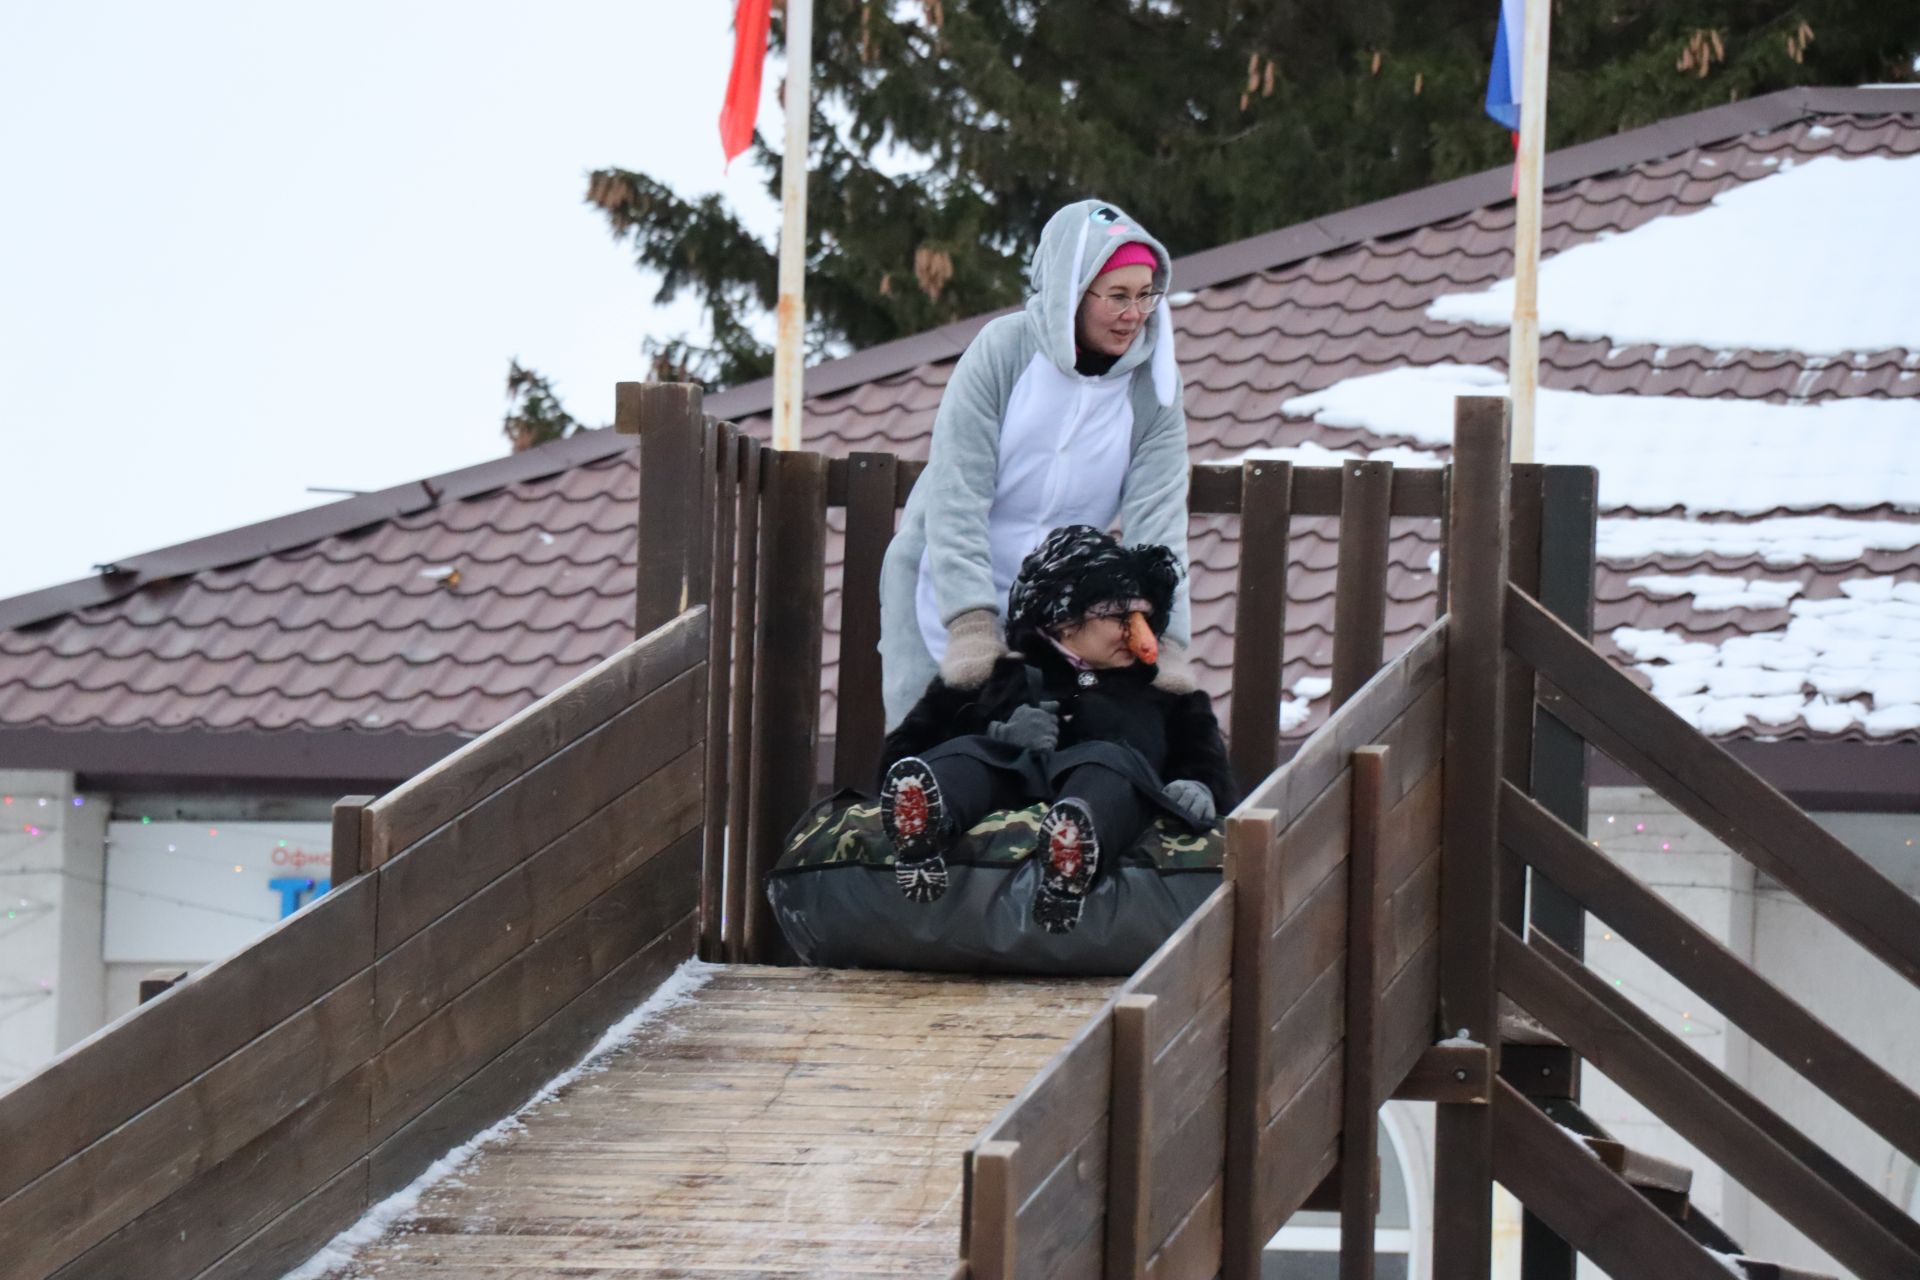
x,y
1068,412
1117,305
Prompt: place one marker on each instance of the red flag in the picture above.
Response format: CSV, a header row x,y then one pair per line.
x,y
742,107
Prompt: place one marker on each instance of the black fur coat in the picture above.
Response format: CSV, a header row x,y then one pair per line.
x,y
1176,733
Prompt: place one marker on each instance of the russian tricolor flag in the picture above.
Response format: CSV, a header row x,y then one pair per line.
x,y
1503,82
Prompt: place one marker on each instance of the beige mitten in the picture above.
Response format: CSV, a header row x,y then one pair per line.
x,y
1176,669
974,644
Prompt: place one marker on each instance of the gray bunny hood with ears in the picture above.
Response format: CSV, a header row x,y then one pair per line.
x,y
1074,249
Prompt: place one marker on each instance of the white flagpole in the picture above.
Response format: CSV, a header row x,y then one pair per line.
x,y
789,356
1523,353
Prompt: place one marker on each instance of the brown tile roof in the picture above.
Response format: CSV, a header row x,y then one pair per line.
x,y
351,616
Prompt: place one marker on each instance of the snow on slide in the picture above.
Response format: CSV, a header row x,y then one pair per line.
x,y
338,1252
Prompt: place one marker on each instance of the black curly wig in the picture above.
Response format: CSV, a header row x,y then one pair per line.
x,y
1077,567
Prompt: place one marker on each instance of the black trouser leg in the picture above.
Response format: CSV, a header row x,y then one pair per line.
x,y
1119,812
972,789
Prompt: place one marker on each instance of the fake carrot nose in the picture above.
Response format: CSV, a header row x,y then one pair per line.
x,y
1140,638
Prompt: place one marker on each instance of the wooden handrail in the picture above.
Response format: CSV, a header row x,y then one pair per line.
x,y
452,784
1822,1162
542,879
1700,778
1588,1017
1360,576
1584,1203
1703,965
1215,488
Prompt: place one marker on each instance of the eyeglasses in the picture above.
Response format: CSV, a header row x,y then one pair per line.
x,y
1116,610
1115,305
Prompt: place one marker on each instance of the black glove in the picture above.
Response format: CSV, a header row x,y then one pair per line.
x,y
1191,799
1035,728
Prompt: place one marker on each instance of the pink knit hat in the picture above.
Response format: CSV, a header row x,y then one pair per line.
x,y
1132,254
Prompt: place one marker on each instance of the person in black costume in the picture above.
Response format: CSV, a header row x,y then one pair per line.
x,y
1070,717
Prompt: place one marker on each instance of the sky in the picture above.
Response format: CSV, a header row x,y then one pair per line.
x,y
250,248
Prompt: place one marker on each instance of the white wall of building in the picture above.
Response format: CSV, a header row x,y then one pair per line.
x,y
51,874
97,893
1797,950
1869,1004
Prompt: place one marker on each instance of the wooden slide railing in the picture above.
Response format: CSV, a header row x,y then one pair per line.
x,y
1368,912
745,531
1835,1208
488,921
1227,1079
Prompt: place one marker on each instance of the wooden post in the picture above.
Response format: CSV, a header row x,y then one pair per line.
x,y
859,722
726,501
1360,577
1567,541
705,496
667,418
1516,734
991,1240
746,648
1129,1176
1260,620
349,838
787,686
1476,593
1250,837
1359,1139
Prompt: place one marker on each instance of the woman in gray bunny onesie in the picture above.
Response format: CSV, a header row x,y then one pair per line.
x,y
1068,412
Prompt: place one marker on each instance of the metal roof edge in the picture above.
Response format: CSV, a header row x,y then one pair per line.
x,y
351,759
282,533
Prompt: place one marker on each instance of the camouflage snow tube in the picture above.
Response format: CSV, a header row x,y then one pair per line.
x,y
833,894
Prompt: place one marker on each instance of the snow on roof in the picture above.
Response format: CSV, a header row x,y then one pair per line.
x,y
1657,453
1715,592
1818,258
1840,663
1846,663
1778,541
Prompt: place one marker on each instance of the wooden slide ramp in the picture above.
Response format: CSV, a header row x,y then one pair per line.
x,y
779,1122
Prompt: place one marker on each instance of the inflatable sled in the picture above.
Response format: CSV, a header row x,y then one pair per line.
x,y
834,897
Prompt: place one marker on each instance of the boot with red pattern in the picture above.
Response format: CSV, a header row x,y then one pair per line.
x,y
914,816
1071,848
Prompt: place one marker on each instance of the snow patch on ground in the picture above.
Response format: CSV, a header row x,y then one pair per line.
x,y
1713,591
1778,541
1655,453
339,1252
1843,663
1807,259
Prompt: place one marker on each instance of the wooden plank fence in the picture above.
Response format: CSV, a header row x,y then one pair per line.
x,y
501,909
